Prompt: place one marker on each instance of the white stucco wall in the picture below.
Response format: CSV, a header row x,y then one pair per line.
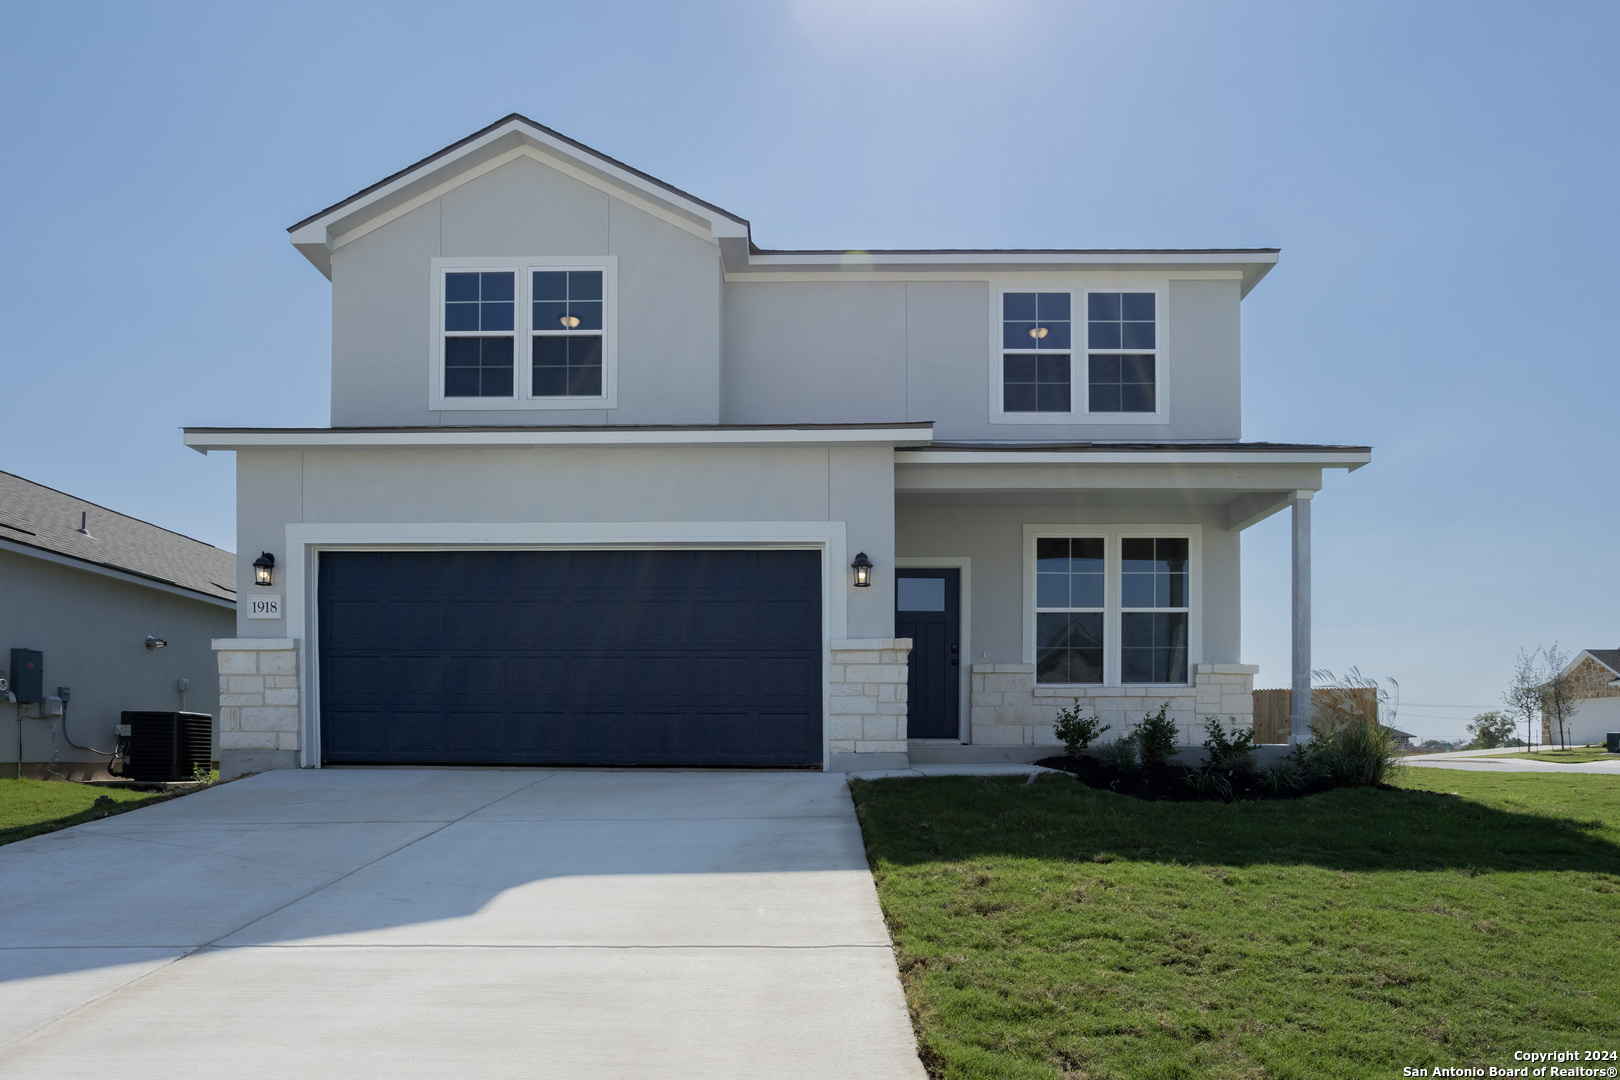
x,y
868,349
848,485
993,538
668,318
1592,721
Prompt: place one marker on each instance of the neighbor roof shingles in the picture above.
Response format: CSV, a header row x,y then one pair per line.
x,y
33,515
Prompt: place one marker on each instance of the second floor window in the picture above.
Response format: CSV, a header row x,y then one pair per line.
x,y
525,333
480,317
1122,350
1035,357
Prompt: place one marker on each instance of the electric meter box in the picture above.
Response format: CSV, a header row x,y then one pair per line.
x,y
27,675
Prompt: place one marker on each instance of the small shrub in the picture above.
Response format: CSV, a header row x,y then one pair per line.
x,y
1232,750
1075,731
1357,753
1156,736
1280,778
201,774
1210,782
1119,754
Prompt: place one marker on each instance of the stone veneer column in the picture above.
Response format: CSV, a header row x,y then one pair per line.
x,y
866,695
1008,708
259,721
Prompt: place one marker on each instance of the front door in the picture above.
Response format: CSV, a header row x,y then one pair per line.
x,y
927,609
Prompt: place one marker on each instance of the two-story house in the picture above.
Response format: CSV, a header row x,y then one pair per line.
x,y
606,483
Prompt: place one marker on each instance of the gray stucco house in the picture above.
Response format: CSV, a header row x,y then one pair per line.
x,y
607,483
122,613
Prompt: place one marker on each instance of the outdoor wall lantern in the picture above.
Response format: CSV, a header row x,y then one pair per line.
x,y
263,569
155,642
863,570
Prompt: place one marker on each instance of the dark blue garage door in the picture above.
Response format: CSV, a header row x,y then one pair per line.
x,y
571,657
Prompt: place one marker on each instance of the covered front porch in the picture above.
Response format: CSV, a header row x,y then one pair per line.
x,y
1105,572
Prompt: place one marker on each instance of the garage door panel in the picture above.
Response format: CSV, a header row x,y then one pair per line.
x,y
571,657
354,731
477,680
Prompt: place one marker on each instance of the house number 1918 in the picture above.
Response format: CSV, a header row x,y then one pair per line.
x,y
264,607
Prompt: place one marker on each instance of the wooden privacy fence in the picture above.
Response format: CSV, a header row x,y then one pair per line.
x,y
1273,710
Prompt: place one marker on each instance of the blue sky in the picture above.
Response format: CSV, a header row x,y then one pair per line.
x,y
1441,178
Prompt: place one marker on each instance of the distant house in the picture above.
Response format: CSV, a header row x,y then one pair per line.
x,y
95,592
1404,738
1596,674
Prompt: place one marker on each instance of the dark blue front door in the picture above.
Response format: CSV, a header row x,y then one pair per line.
x,y
927,607
571,657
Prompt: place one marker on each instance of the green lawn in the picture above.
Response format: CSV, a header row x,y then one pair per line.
x,y
1573,756
31,807
1051,930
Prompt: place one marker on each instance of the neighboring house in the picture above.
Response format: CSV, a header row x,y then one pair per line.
x,y
603,475
1595,674
94,592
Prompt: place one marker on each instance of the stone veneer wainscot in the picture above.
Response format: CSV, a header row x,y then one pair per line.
x,y
258,703
866,696
1009,709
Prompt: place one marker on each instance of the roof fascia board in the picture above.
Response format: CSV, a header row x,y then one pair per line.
x,y
1343,460
130,577
204,441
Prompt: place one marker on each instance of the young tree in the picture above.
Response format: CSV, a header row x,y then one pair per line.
x,y
1558,692
1491,729
1523,696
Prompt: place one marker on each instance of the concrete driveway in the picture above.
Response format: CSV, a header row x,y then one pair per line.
x,y
456,923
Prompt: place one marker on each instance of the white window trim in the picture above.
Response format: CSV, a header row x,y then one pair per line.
x,y
522,332
1111,536
1079,395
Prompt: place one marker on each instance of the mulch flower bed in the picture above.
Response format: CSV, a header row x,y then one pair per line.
x,y
1166,783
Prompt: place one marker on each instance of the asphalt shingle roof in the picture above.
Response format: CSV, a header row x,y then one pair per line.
x,y
33,515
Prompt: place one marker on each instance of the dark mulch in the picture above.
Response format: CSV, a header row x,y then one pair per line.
x,y
1160,783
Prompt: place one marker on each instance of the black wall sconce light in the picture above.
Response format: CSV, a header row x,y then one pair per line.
x,y
863,570
264,569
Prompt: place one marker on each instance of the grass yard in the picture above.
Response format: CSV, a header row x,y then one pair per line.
x,y
31,807
1572,756
1051,930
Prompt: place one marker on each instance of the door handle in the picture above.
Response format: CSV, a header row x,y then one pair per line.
x,y
953,648
954,663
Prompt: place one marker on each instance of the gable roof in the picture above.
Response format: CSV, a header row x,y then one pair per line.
x,y
38,520
515,135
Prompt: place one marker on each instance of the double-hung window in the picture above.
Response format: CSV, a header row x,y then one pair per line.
x,y
1069,609
567,331
1035,344
480,321
1121,352
524,333
1112,608
1154,607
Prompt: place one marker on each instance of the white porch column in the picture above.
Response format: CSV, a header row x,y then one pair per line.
x,y
1301,701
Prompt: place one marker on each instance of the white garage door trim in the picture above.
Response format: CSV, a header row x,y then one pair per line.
x,y
303,541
